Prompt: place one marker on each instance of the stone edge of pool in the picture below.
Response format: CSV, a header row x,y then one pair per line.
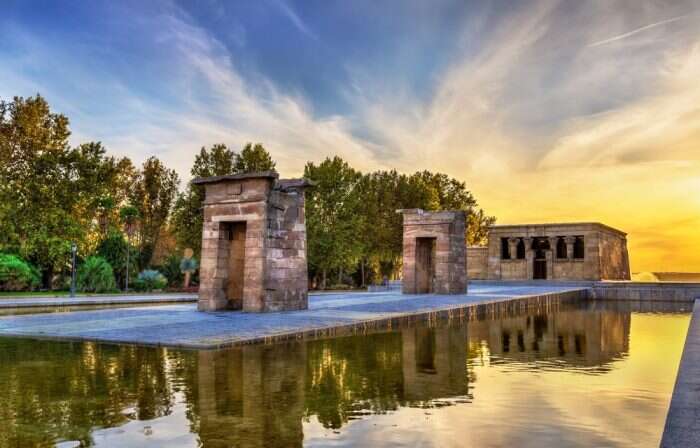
x,y
682,427
463,311
61,302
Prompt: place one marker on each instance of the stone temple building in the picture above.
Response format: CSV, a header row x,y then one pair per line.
x,y
434,252
253,243
572,251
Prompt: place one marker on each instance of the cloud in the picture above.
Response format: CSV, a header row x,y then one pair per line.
x,y
541,124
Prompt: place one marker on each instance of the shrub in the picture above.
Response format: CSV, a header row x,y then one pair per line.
x,y
113,249
16,274
149,280
96,275
171,271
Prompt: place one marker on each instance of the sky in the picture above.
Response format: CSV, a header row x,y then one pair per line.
x,y
549,110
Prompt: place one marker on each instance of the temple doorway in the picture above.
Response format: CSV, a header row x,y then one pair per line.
x,y
236,264
425,264
539,271
540,246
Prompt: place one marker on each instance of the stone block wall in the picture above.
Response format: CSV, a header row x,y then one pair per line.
x,y
477,262
274,260
447,228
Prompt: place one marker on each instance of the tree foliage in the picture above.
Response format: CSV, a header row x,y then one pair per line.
x,y
254,158
50,192
153,194
333,219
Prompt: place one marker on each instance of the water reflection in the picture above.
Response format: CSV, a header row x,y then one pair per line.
x,y
259,396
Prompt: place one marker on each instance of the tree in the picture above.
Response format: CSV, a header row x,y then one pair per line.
x,y
50,192
254,159
332,218
187,214
153,195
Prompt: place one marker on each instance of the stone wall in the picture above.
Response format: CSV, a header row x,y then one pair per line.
x,y
447,228
274,260
477,262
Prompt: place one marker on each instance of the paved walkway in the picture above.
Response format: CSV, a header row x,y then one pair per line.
x,y
183,326
683,419
42,302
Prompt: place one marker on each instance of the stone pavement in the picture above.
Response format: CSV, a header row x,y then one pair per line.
x,y
683,418
183,326
43,302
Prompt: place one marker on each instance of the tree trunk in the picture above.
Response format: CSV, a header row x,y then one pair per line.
x,y
323,281
362,271
340,276
46,277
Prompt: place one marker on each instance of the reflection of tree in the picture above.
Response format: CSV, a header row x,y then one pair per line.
x,y
57,391
351,374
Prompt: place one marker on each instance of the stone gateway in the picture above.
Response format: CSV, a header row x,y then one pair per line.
x,y
253,243
434,252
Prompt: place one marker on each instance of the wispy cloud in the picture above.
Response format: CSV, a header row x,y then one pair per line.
x,y
635,31
293,17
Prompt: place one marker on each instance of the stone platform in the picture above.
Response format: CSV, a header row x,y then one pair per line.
x,y
328,314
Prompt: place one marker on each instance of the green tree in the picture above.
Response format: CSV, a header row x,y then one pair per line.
x,y
187,214
254,159
153,194
332,218
50,193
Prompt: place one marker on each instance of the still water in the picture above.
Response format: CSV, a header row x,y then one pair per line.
x,y
590,375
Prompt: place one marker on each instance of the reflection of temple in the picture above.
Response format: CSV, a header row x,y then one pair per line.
x,y
251,397
578,337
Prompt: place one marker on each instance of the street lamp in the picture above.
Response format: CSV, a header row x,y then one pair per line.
x,y
74,251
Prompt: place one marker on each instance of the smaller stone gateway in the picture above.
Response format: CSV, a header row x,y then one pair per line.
x,y
434,252
253,243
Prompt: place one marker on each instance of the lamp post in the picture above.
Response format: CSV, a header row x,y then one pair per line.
x,y
74,251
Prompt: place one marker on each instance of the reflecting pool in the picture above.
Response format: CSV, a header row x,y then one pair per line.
x,y
589,375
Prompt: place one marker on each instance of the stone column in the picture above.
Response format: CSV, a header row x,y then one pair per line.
x,y
513,248
570,247
529,257
549,255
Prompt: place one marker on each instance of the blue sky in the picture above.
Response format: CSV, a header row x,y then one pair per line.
x,y
506,95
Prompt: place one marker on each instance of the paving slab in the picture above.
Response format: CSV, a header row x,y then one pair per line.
x,y
683,419
43,302
183,326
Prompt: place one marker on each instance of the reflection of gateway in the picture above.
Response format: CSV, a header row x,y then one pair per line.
x,y
434,362
251,397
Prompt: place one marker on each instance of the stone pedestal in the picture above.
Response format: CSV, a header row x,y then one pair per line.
x,y
434,252
253,243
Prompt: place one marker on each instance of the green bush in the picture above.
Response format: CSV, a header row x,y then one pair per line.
x,y
171,271
150,280
16,274
113,249
96,275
